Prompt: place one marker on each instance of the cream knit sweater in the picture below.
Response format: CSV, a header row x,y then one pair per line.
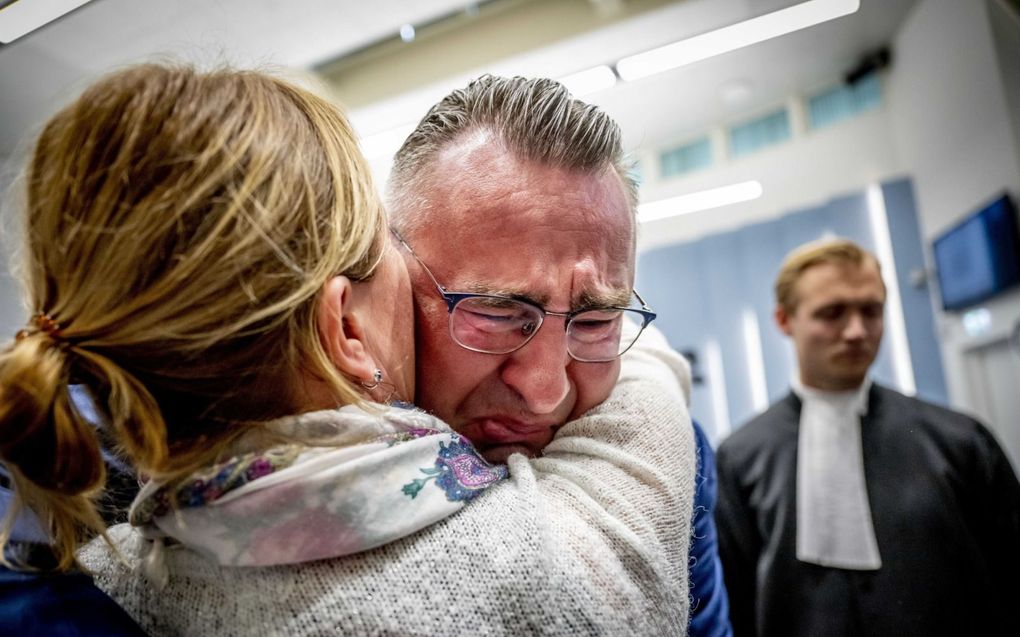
x,y
590,539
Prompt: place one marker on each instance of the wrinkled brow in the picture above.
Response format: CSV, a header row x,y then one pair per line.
x,y
584,300
611,298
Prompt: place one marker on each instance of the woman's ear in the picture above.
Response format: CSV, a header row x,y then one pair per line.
x,y
341,332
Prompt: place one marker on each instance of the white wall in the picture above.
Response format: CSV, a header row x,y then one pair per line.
x,y
809,170
1005,22
950,118
12,314
33,85
952,127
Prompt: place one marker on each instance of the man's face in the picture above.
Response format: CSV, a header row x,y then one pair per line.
x,y
557,238
837,324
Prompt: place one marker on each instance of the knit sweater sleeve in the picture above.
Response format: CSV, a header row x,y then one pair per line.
x,y
633,459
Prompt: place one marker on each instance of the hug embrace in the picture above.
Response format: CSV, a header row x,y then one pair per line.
x,y
452,417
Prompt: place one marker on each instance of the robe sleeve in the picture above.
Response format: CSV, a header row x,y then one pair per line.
x,y
997,492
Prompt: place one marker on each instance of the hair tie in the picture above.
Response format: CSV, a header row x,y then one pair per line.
x,y
42,323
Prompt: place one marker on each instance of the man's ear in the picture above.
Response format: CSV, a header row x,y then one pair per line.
x,y
341,331
782,320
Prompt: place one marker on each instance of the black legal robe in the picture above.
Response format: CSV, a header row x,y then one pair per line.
x,y
946,510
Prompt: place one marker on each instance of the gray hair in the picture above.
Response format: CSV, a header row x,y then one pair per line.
x,y
535,119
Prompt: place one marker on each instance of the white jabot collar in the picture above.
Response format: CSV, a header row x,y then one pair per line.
x,y
834,523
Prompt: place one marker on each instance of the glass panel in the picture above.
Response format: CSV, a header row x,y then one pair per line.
x,y
692,156
763,132
843,102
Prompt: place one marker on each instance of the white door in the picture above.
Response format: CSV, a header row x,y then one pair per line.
x,y
993,374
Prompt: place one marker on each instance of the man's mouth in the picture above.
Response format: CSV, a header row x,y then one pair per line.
x,y
497,438
854,354
507,429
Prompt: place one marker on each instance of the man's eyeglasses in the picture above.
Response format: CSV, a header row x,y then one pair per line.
x,y
494,324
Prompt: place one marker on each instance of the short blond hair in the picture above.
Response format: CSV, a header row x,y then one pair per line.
x,y
180,227
808,255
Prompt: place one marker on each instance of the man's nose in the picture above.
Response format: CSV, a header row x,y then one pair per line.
x,y
538,371
855,328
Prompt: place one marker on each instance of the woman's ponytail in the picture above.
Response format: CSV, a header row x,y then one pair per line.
x,y
50,451
132,414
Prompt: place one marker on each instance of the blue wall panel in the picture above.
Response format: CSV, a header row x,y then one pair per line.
x,y
669,281
763,250
905,232
726,283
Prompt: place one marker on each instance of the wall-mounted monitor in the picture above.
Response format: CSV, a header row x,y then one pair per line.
x,y
979,258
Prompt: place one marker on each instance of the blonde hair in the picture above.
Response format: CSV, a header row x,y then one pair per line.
x,y
535,119
808,255
180,227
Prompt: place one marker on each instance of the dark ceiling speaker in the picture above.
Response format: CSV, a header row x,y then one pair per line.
x,y
872,62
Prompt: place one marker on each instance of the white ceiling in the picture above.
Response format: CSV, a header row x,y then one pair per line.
x,y
677,103
44,69
47,67
286,32
673,105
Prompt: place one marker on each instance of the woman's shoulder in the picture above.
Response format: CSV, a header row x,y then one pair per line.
x,y
496,564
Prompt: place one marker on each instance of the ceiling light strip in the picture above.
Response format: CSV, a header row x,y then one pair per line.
x,y
703,200
733,37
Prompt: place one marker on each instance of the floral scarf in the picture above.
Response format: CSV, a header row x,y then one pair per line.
x,y
369,479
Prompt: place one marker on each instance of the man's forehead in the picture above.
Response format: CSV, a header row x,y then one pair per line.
x,y
831,282
851,273
479,172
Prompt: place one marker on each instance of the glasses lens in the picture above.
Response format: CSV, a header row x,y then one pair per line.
x,y
596,335
492,324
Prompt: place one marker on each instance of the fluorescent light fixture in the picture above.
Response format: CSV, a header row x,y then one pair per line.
x,y
24,16
755,360
733,37
387,142
903,368
704,200
589,81
717,388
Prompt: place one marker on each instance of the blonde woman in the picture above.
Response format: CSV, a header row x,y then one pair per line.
x,y
207,257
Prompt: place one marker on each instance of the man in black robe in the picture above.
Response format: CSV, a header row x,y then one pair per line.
x,y
850,509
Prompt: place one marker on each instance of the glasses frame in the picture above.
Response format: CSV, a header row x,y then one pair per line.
x,y
454,298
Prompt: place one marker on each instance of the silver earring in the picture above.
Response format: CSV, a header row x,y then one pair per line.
x,y
376,379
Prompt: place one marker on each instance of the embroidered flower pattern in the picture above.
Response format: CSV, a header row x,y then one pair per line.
x,y
209,486
406,436
459,471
